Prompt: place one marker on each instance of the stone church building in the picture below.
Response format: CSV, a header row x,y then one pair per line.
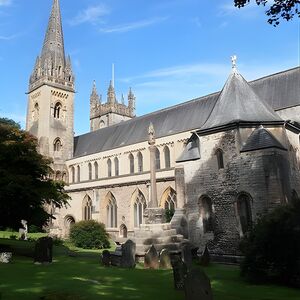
x,y
221,160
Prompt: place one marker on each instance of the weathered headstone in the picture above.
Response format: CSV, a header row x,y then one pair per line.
x,y
5,257
105,258
128,254
197,285
43,250
205,257
179,272
186,254
151,259
164,259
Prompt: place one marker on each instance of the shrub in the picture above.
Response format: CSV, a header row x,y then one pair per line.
x,y
89,235
272,248
13,237
33,229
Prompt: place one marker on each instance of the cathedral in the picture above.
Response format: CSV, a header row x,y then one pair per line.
x,y
219,161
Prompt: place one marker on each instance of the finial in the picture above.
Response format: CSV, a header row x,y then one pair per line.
x,y
113,75
233,63
122,99
151,133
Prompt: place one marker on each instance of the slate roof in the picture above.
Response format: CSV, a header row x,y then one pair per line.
x,y
261,139
239,103
279,90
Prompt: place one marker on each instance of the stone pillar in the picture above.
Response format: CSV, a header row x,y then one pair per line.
x,y
153,214
153,188
180,186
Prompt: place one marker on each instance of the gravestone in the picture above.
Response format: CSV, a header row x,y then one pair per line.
x,y
151,259
5,257
186,254
205,257
43,250
179,272
197,285
164,259
128,254
105,258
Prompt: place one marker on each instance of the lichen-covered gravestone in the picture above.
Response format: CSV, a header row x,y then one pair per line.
x,y
151,259
43,250
128,254
5,257
179,272
105,258
186,254
197,285
164,259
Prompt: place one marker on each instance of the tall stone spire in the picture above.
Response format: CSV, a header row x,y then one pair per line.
x,y
52,66
111,95
54,41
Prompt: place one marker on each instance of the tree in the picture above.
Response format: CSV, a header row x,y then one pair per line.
x,y
285,9
25,187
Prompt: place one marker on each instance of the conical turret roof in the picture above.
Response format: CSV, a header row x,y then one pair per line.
x,y
239,103
54,41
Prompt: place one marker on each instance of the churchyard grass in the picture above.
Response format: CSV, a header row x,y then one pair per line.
x,y
81,276
7,234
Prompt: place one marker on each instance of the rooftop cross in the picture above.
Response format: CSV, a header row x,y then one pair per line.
x,y
233,62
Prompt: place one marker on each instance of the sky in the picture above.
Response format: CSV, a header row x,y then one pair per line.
x,y
168,51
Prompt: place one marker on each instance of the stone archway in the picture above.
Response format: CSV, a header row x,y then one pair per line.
x,y
68,222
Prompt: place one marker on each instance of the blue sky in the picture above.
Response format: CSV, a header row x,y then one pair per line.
x,y
168,51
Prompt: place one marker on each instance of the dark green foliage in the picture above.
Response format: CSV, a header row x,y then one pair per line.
x,y
25,188
89,235
272,248
13,237
277,9
33,229
169,213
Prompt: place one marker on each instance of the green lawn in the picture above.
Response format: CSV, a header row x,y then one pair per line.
x,y
82,277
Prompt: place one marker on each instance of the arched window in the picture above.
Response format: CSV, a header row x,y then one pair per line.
x,y
116,161
73,174
167,157
131,163
139,207
57,145
206,214
87,208
109,167
170,202
64,177
90,171
57,110
78,173
111,210
58,175
244,212
157,159
140,162
36,112
102,124
123,231
96,170
219,155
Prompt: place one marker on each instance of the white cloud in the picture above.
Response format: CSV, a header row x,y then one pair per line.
x,y
92,14
7,37
5,2
132,26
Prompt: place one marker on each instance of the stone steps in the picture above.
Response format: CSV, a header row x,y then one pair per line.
x,y
140,233
159,240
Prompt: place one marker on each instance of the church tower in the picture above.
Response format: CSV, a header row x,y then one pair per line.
x,y
50,110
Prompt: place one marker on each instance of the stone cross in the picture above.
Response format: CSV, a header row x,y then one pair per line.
x,y
233,61
153,198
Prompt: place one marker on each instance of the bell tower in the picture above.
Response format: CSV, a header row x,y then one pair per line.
x,y
50,111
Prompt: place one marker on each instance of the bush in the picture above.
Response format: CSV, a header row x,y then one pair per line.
x,y
13,237
272,248
34,229
89,235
